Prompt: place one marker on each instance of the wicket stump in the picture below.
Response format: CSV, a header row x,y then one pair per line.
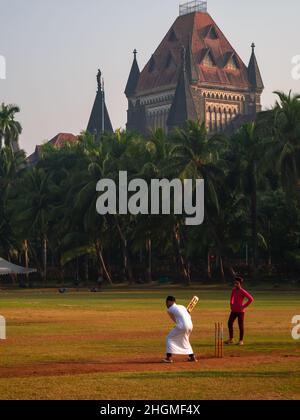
x,y
219,341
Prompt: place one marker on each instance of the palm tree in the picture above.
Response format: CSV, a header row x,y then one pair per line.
x,y
286,145
33,206
246,149
194,156
11,167
10,129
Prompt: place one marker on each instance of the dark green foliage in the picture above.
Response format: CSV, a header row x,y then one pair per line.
x,y
252,221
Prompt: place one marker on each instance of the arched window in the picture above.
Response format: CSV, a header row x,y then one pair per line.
x,y
218,119
208,119
224,118
214,119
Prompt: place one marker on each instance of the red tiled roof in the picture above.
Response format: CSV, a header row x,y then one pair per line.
x,y
58,141
200,33
62,138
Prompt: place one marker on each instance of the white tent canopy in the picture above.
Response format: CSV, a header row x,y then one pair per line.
x,y
9,268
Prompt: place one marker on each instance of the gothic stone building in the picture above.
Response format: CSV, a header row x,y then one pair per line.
x,y
195,74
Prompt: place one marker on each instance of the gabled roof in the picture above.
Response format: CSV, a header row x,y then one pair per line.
x,y
254,73
133,77
59,141
183,106
99,120
194,31
63,138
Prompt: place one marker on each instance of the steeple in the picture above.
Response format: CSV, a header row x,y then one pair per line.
x,y
254,74
99,120
133,77
183,106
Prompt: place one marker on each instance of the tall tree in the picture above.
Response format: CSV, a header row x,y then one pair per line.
x,y
10,129
195,156
246,147
286,146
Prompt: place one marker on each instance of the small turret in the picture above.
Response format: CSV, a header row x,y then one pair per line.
x,y
183,106
133,77
254,73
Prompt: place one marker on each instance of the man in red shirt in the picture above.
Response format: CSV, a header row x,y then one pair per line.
x,y
238,309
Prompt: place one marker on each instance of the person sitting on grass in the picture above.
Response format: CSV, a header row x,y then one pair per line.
x,y
238,309
178,341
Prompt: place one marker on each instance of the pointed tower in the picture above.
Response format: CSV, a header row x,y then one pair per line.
x,y
136,117
133,77
183,107
99,120
256,82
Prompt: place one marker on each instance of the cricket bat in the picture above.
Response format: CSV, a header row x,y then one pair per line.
x,y
194,302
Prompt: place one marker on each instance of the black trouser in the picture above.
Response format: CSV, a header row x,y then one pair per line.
x,y
241,318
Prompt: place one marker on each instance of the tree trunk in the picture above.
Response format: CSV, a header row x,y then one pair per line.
x,y
26,259
185,268
149,249
61,273
37,260
254,220
86,269
222,268
127,260
247,254
45,259
102,262
209,266
270,245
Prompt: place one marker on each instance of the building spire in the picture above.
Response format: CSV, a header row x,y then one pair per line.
x,y
99,121
134,77
254,74
183,107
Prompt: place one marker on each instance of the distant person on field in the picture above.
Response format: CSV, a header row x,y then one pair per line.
x,y
178,341
238,309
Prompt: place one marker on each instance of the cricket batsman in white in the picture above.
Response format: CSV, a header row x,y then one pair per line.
x,y
178,341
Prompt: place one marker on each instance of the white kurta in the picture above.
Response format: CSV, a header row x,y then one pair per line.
x,y
178,341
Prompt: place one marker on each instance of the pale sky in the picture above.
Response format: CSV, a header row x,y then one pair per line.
x,y
53,49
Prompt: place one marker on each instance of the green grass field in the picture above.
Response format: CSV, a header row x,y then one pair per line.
x,y
109,346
